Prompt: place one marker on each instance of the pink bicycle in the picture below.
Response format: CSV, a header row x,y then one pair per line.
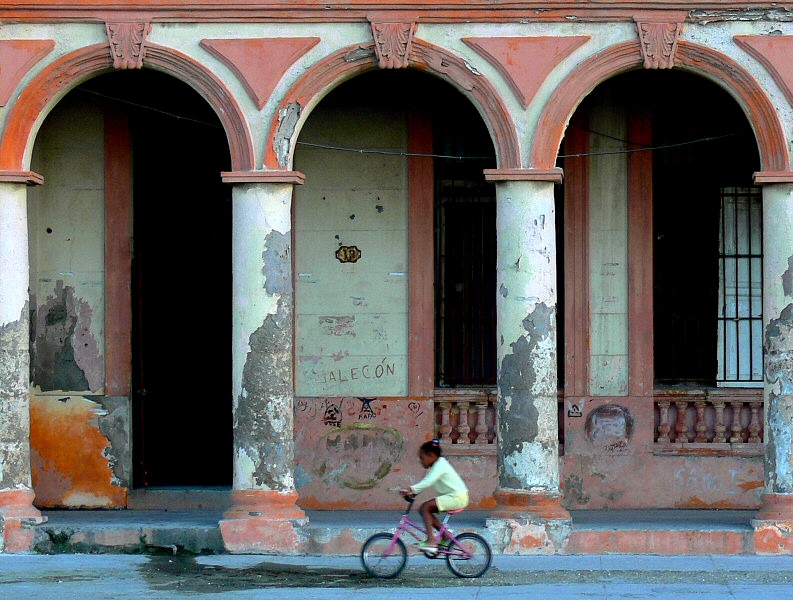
x,y
384,554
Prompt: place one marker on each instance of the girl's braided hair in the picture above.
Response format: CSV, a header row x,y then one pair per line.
x,y
432,447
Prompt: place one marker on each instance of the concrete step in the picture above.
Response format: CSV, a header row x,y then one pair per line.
x,y
343,532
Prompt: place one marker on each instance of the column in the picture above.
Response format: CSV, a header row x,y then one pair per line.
x,y
17,512
264,516
773,523
529,497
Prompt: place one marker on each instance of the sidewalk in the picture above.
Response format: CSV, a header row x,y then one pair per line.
x,y
341,533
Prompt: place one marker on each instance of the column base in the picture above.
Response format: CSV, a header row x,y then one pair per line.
x,y
773,525
18,518
529,522
263,522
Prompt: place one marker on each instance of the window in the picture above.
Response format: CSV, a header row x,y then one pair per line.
x,y
739,348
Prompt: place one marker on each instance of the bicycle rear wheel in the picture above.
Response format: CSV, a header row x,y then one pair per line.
x,y
378,561
470,556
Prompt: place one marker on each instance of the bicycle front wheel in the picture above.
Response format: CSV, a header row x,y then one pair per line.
x,y
470,556
384,557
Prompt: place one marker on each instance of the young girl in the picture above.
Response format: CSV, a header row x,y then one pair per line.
x,y
453,494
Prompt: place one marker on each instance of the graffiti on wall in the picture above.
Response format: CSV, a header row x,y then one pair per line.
x,y
358,455
364,371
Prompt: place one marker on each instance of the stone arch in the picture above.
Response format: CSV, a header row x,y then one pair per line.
x,y
41,94
774,155
355,60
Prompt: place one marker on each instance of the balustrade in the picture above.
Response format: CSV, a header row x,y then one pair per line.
x,y
465,421
705,422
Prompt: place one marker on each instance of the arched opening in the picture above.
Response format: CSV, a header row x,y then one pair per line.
x,y
395,267
132,228
662,274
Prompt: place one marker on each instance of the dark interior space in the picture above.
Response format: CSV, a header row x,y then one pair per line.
x,y
181,282
687,183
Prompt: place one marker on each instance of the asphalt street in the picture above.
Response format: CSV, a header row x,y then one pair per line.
x,y
590,577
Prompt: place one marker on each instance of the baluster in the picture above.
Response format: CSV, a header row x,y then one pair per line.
x,y
700,426
481,423
463,429
681,428
663,424
719,429
754,423
736,429
445,428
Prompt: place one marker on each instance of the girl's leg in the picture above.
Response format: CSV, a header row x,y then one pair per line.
x,y
429,511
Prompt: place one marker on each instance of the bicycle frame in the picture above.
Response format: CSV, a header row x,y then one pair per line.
x,y
407,526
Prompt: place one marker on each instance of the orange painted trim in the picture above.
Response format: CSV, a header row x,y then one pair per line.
x,y
776,507
421,258
259,63
26,177
67,72
118,254
295,177
271,504
526,62
773,177
773,52
555,175
576,258
17,58
640,255
18,504
358,59
348,10
761,112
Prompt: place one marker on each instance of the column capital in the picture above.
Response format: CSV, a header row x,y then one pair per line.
x,y
26,177
294,177
554,175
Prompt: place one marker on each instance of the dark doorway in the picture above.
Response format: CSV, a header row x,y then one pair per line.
x,y
465,247
181,282
705,146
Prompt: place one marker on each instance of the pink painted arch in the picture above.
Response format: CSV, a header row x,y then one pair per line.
x,y
774,155
355,60
41,94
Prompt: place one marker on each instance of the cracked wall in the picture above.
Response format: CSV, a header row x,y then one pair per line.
x,y
80,439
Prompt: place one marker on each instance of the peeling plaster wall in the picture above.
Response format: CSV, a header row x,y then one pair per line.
x,y
262,338
527,414
14,357
66,223
72,458
778,338
80,448
14,422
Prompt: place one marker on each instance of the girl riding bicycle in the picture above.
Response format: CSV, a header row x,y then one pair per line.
x,y
453,493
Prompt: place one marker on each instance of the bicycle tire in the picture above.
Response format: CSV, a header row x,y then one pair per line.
x,y
379,564
480,556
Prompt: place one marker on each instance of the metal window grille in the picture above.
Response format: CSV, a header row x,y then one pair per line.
x,y
740,349
465,282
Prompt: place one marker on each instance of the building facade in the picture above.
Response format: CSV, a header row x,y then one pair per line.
x,y
272,248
